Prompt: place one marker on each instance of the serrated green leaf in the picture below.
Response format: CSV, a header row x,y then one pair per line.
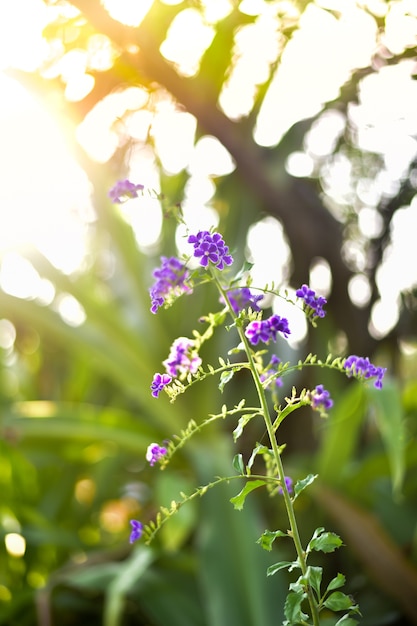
x,y
292,608
300,485
238,464
339,601
327,542
239,500
268,537
336,582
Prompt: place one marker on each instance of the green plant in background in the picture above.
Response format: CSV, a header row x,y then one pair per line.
x,y
309,601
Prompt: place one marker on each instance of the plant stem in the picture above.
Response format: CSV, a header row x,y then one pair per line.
x,y
275,448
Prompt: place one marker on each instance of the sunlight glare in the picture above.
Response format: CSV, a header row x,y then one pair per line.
x,y
187,39
401,26
215,10
47,199
359,290
256,47
18,277
70,310
320,276
210,158
308,75
96,133
384,316
296,318
268,249
7,335
129,12
299,164
173,133
15,544
21,41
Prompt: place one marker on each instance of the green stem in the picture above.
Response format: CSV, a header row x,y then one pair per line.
x,y
275,448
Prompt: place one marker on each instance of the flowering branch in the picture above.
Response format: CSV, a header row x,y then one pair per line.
x,y
183,368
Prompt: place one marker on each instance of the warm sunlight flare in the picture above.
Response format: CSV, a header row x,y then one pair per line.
x,y
46,202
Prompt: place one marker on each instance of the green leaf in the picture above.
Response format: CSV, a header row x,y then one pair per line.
x,y
272,569
225,377
239,500
259,449
231,567
327,542
341,434
300,485
346,620
268,537
314,577
336,582
238,464
292,608
339,601
167,486
391,425
130,571
245,419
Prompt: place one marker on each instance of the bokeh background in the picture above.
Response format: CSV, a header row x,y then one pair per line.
x,y
292,127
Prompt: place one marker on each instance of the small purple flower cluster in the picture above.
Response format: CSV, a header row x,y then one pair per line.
x,y
210,247
170,280
288,483
361,366
183,358
315,303
243,298
159,382
154,453
270,371
123,190
267,330
320,399
137,530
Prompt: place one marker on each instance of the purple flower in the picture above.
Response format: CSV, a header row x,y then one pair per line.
x,y
312,302
266,330
270,371
137,530
258,330
159,382
320,399
183,358
210,248
123,190
154,453
278,324
170,281
242,298
288,483
362,367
